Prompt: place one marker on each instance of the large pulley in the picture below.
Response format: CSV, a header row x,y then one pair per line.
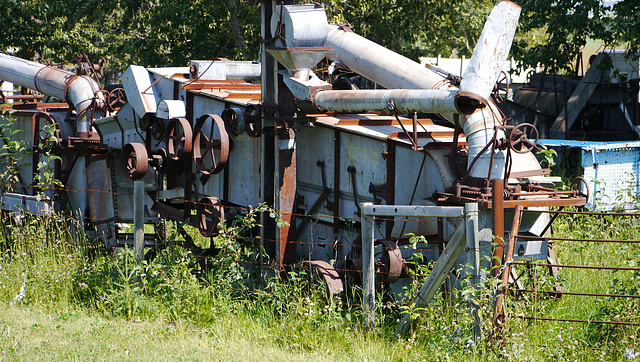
x,y
391,261
211,144
134,160
179,138
209,214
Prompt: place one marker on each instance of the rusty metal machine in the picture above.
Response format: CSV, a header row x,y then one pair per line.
x,y
219,136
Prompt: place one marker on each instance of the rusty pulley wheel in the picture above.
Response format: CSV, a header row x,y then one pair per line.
x,y
252,116
391,261
501,89
179,138
519,140
134,160
116,99
210,213
210,144
575,186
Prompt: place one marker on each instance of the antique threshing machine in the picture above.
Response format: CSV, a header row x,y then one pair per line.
x,y
218,136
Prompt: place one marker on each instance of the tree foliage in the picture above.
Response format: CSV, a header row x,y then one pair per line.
x,y
170,32
415,28
144,32
552,33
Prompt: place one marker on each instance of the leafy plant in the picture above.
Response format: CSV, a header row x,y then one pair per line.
x,y
12,151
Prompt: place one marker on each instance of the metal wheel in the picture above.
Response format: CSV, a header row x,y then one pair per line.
x,y
234,118
116,99
501,89
252,118
209,213
179,138
134,160
392,261
519,141
211,144
575,186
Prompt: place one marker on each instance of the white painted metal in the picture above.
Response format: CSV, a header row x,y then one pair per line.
x,y
168,109
137,84
80,91
491,50
138,220
227,70
300,32
442,267
405,100
303,25
413,210
385,67
368,266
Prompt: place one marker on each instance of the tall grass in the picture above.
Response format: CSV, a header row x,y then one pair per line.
x,y
61,272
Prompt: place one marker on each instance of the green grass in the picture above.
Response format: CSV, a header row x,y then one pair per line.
x,y
84,303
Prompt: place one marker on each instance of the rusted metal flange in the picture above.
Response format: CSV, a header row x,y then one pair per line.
x,y
209,214
179,138
328,273
208,144
392,261
134,160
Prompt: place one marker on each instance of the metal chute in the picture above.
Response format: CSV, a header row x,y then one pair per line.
x,y
491,50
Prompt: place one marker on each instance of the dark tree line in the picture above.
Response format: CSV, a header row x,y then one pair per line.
x,y
170,32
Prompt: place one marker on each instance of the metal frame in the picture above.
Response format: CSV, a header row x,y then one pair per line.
x,y
444,263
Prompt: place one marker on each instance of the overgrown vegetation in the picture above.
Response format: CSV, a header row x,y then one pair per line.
x,y
46,269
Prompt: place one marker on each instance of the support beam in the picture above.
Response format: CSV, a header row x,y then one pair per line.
x,y
138,220
368,210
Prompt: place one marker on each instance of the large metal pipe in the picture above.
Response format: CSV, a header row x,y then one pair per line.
x,y
395,71
443,101
404,100
81,92
385,67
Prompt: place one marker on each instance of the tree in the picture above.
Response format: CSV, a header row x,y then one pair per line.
x,y
552,33
144,32
415,28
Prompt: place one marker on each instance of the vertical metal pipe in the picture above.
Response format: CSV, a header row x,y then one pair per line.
x,y
497,202
368,265
138,220
498,315
473,256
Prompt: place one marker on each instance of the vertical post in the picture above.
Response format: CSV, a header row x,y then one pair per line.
x,y
473,257
138,219
368,265
497,204
498,315
473,240
268,156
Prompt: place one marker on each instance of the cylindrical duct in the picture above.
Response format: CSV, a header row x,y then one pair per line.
x,y
404,100
395,71
383,66
80,91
